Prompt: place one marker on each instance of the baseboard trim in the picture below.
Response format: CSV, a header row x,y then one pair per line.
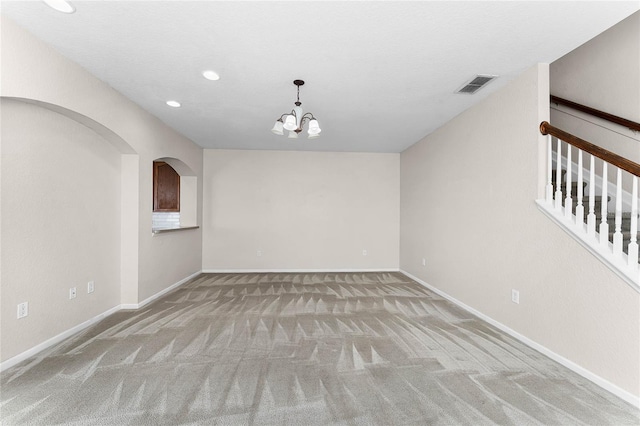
x,y
78,328
129,306
603,383
166,290
56,339
284,271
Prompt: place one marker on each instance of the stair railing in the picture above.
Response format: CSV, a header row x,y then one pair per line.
x,y
632,125
621,258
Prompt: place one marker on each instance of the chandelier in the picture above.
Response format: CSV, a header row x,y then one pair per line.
x,y
294,121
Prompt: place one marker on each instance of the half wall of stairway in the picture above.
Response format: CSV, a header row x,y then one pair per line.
x,y
592,193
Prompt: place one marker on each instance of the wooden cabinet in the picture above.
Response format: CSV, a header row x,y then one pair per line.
x,y
166,188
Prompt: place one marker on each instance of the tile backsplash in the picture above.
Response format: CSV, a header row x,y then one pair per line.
x,y
164,220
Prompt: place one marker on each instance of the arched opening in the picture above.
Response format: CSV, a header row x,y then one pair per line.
x,y
109,135
175,195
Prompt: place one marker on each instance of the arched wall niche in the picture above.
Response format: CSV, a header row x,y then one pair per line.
x,y
187,216
129,194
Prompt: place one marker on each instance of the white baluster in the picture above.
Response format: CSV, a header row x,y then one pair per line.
x,y
633,244
549,188
558,195
580,207
568,202
604,226
591,217
617,235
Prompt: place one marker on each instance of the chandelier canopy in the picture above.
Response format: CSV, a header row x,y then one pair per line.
x,y
296,119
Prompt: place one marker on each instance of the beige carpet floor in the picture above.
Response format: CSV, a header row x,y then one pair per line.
x,y
300,349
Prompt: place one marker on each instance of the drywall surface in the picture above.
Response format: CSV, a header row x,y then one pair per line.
x,y
60,224
467,208
275,210
603,73
33,72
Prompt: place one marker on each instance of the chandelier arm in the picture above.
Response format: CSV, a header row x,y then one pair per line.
x,y
288,113
306,118
309,116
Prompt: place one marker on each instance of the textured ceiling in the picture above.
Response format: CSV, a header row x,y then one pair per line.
x,y
380,75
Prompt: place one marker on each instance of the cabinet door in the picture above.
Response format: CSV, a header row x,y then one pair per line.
x,y
166,188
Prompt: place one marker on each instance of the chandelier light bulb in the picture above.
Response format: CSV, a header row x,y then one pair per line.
x,y
314,127
290,122
278,128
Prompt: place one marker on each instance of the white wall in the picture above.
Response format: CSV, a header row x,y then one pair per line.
x,y
302,210
33,71
603,73
467,206
60,223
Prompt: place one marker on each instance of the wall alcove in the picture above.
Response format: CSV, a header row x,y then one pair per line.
x,y
175,198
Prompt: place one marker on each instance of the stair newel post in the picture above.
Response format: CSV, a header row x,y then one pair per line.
x,y
568,202
558,194
617,235
633,244
579,206
591,217
604,226
549,187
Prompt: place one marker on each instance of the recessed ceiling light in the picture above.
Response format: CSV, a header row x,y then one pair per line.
x,y
174,104
211,75
60,5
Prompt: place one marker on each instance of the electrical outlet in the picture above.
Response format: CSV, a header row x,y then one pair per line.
x,y
424,262
72,293
515,296
259,253
90,287
364,252
23,309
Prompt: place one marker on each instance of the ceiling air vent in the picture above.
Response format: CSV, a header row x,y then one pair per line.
x,y
475,84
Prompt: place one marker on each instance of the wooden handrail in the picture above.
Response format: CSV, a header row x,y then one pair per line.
x,y
597,113
603,154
